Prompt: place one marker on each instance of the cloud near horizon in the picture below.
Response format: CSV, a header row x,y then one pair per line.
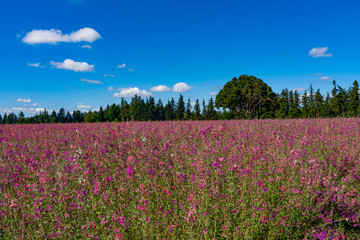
x,y
160,88
88,81
82,106
121,65
181,87
34,64
131,92
70,64
320,52
23,100
54,36
324,78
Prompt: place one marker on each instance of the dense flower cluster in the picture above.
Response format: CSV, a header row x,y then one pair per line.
x,y
260,179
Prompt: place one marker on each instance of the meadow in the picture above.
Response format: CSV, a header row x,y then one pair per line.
x,y
258,179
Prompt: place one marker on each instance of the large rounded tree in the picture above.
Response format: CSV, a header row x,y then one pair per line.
x,y
247,96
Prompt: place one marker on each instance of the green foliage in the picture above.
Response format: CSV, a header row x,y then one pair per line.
x,y
244,95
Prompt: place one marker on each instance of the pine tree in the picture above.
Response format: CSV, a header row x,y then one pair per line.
x,y
188,110
203,113
210,110
319,104
326,107
197,113
305,105
312,107
180,108
101,114
353,108
334,101
283,101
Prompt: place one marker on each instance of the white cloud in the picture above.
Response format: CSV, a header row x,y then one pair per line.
x,y
320,52
69,64
181,87
86,46
23,100
34,104
91,81
34,64
39,109
29,110
83,106
297,89
160,88
111,89
213,93
121,65
53,36
317,74
324,78
131,69
109,75
130,92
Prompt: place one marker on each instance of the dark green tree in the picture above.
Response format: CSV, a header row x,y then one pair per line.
x,y
197,112
188,110
283,103
101,114
210,110
305,105
244,95
319,104
180,108
353,108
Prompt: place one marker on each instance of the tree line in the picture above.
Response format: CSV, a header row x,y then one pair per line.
x,y
245,97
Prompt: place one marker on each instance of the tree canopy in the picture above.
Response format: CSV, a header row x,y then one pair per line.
x,y
244,95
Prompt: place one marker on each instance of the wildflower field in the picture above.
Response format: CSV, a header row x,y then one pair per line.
x,y
260,179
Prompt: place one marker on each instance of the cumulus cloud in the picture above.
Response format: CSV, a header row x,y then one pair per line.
x,y
121,65
131,69
83,106
181,87
109,75
130,92
324,78
54,36
320,52
34,64
86,46
160,88
91,81
69,64
34,104
23,100
111,89
213,93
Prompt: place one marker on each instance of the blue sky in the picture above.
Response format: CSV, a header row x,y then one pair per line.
x,y
80,54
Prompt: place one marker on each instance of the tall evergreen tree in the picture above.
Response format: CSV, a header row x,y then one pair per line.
x,y
334,101
180,108
61,115
283,100
197,112
353,108
210,110
101,114
305,105
319,104
203,112
312,107
327,112
188,110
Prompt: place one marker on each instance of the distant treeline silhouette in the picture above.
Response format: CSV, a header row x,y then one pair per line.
x,y
287,104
